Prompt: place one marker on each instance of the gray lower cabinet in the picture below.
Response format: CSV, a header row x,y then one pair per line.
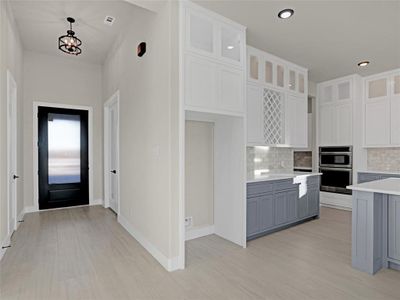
x,y
276,204
265,212
367,177
394,227
308,203
253,225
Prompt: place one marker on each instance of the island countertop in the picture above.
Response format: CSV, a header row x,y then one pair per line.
x,y
278,176
390,186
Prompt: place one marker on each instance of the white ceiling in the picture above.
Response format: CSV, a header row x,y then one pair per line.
x,y
40,23
327,37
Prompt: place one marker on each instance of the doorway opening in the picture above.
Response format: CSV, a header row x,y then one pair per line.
x,y
63,157
111,153
12,152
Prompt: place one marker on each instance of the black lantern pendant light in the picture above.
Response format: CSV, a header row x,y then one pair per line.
x,y
70,43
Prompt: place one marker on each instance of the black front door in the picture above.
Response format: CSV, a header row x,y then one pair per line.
x,y
63,157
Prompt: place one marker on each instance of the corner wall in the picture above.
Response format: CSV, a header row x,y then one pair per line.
x,y
148,131
10,59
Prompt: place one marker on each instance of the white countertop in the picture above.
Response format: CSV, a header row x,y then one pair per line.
x,y
389,186
278,176
379,172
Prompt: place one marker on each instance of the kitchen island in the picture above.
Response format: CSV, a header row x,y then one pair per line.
x,y
376,225
278,201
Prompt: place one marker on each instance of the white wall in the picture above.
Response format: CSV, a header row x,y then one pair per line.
x,y
148,131
61,79
11,59
199,173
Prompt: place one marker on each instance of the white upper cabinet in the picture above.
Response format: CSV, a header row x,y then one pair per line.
x,y
296,115
255,124
382,110
277,93
201,33
335,100
214,62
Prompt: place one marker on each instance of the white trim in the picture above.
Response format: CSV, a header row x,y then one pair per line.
x,y
97,202
5,242
181,145
36,104
30,209
11,140
170,264
114,99
195,233
20,218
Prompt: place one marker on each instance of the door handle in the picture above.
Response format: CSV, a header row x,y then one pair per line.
x,y
15,177
114,171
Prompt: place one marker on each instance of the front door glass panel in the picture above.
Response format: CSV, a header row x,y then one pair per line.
x,y
64,144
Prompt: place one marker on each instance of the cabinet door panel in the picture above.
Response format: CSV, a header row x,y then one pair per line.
x,y
326,125
201,83
302,207
231,43
231,90
252,217
200,35
296,121
344,114
291,205
280,208
255,115
313,201
377,122
394,227
395,120
266,212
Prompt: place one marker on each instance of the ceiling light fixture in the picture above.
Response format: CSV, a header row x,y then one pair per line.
x,y
69,43
363,63
230,47
286,13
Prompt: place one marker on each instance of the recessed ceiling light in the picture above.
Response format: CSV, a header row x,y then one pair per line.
x,y
286,13
230,47
363,63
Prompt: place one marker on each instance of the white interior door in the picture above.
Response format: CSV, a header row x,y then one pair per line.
x,y
112,152
12,152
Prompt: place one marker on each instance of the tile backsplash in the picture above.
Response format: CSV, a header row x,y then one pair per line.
x,y
269,159
383,159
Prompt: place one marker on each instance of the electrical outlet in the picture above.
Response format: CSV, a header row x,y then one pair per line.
x,y
188,222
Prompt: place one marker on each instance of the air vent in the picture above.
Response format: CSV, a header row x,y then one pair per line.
x,y
109,20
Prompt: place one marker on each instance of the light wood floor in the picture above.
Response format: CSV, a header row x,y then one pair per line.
x,y
83,253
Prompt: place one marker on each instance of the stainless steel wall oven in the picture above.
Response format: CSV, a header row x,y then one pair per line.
x,y
336,166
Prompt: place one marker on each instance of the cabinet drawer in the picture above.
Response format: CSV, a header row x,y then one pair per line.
x,y
258,188
281,185
367,177
307,180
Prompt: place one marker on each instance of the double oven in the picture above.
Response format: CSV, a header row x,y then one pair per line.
x,y
336,166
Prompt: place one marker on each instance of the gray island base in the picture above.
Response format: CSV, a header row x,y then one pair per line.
x,y
376,225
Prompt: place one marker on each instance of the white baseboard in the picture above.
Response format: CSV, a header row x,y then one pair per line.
x,y
170,264
338,201
96,202
194,233
4,243
29,209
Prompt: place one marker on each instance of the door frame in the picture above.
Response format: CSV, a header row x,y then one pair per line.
x,y
35,140
114,99
12,132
